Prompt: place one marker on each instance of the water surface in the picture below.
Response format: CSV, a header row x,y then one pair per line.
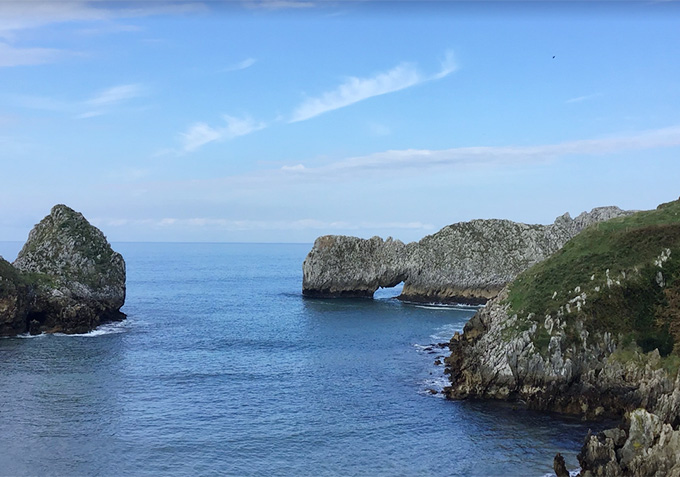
x,y
222,368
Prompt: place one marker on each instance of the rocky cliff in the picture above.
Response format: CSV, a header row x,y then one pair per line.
x,y
66,278
594,330
467,262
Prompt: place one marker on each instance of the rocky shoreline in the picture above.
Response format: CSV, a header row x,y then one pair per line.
x,y
593,331
582,317
66,278
467,262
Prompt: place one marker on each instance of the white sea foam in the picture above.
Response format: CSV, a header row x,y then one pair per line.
x,y
572,473
444,306
444,333
105,329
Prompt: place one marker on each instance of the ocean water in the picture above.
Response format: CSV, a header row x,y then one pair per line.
x,y
223,368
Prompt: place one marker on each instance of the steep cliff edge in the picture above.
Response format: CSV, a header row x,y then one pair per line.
x,y
594,330
66,278
467,262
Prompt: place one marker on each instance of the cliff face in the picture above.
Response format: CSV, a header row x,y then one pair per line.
x,y
594,331
467,262
66,278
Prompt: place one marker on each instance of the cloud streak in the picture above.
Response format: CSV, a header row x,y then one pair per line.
x,y
12,56
199,134
470,156
242,65
356,89
249,225
580,99
98,104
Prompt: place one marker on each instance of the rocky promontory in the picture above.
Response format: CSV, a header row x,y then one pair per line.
x,y
66,278
467,262
594,331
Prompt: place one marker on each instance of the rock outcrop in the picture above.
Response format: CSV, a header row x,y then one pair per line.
x,y
642,446
66,278
467,262
593,331
14,297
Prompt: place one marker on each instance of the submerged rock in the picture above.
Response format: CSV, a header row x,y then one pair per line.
x,y
467,262
74,279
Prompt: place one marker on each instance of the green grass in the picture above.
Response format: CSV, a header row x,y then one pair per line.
x,y
626,244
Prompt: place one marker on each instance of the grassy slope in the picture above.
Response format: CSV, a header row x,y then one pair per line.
x,y
633,304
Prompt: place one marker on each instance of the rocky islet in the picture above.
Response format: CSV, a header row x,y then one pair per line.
x,y
467,262
66,278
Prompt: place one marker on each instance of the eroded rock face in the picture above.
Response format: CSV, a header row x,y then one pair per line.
x,y
467,262
496,357
643,446
341,266
78,281
13,300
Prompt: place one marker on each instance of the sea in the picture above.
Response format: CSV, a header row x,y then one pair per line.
x,y
223,368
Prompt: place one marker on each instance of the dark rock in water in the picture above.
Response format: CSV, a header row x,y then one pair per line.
x,y
14,297
77,281
34,327
559,466
437,362
467,262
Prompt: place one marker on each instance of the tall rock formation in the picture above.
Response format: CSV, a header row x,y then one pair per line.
x,y
467,262
66,278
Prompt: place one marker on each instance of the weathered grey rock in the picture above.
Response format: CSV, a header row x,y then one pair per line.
x,y
78,281
341,266
646,447
14,297
467,262
496,358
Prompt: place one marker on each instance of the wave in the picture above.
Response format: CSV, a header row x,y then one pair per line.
x,y
443,306
105,329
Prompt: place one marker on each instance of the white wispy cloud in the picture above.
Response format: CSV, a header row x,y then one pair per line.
x,y
241,65
580,99
103,101
14,56
199,134
243,225
16,16
279,4
19,16
356,89
100,103
422,159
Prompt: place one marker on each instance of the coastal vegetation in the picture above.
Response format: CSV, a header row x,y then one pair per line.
x,y
619,276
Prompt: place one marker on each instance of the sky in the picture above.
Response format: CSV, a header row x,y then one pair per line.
x,y
284,120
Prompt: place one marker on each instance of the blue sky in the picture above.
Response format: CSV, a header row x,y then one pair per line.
x,y
279,121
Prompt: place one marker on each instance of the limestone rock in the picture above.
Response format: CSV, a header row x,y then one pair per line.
x,y
78,280
646,447
341,266
467,262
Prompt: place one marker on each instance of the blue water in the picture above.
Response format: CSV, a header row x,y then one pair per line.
x,y
222,368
